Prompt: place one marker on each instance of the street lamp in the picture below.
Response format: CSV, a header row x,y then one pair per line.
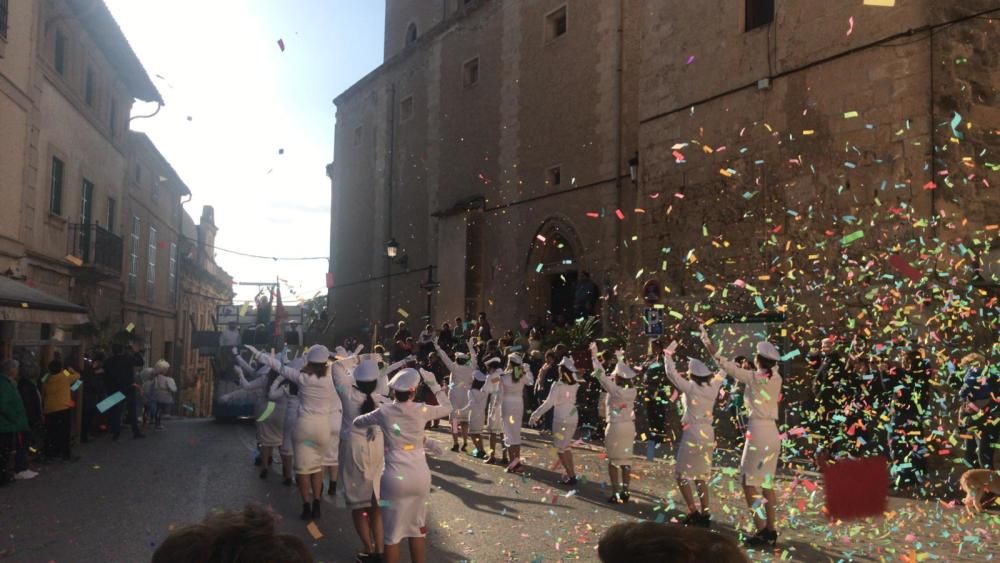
x,y
633,168
392,248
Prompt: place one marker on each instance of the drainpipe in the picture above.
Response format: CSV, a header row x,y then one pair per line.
x,y
390,158
619,138
177,284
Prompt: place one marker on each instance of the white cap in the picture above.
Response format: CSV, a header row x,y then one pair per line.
x,y
697,367
461,356
298,363
480,376
318,354
767,350
516,358
568,363
405,380
493,362
623,370
366,371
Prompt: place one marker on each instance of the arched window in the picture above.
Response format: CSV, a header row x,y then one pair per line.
x,y
411,34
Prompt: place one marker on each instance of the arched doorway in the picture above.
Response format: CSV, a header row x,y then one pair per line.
x,y
551,272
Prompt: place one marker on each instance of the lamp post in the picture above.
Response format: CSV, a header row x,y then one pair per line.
x,y
633,168
429,286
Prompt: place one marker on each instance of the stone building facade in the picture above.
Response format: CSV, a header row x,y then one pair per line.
x,y
498,141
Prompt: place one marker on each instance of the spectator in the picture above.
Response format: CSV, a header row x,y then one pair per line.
x,y
829,395
93,393
32,400
648,542
426,344
585,296
485,330
400,340
459,333
547,376
534,341
13,419
446,338
164,388
120,369
57,404
247,536
979,386
655,395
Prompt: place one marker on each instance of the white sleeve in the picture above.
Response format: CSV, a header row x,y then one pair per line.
x,y
683,385
735,371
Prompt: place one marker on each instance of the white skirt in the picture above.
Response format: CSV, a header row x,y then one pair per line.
x,y
494,421
362,458
760,453
512,413
271,432
405,492
312,435
563,431
477,420
332,453
288,429
619,442
459,398
694,455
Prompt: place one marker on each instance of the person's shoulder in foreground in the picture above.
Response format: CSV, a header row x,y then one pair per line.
x,y
244,536
649,542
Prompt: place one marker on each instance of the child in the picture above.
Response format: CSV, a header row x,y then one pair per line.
x,y
475,413
515,378
619,435
694,456
763,444
562,401
493,421
462,374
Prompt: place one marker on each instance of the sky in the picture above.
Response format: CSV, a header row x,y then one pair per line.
x,y
235,102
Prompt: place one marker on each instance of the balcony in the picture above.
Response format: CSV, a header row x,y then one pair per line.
x,y
96,249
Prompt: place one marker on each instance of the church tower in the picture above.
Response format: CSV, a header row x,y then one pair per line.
x,y
408,20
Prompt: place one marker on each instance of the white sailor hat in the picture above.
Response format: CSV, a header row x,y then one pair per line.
x,y
697,367
493,361
767,350
480,376
461,356
318,354
405,380
515,359
366,371
623,370
569,364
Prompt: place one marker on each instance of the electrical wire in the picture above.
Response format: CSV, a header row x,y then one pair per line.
x,y
258,256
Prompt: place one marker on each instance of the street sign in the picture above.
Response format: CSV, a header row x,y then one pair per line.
x,y
653,320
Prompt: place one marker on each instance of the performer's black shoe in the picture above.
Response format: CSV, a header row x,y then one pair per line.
x,y
306,511
316,513
263,473
705,520
287,482
624,495
764,538
455,448
333,488
615,499
571,482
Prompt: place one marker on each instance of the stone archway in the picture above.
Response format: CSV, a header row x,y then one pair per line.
x,y
551,270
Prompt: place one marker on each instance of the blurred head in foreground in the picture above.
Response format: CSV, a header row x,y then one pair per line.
x,y
648,542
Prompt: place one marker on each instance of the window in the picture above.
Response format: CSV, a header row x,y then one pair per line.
x,y
59,59
3,19
88,88
151,266
406,108
411,34
111,215
759,13
133,258
87,202
553,176
556,24
358,132
113,118
56,186
173,273
470,74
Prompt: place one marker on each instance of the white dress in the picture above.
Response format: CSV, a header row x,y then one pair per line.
x,y
406,481
461,381
694,455
494,424
763,445
475,410
619,408
512,404
316,401
270,431
562,400
362,453
336,421
281,393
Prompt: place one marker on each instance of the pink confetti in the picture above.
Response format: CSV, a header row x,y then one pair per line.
x,y
281,45
850,30
540,238
621,216
690,59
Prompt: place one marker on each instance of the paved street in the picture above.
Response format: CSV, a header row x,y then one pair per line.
x,y
120,500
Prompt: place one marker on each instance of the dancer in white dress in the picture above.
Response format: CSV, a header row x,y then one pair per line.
x,y
515,378
619,434
562,401
312,432
286,392
406,481
463,370
270,429
494,423
362,454
763,445
475,412
694,456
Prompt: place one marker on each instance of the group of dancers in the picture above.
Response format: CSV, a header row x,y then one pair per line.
x,y
362,422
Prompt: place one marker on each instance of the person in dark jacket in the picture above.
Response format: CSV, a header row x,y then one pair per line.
x,y
13,420
979,392
120,369
93,392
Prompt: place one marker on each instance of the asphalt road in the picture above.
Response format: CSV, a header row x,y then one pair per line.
x,y
121,499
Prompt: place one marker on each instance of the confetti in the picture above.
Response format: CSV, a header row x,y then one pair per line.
x,y
111,401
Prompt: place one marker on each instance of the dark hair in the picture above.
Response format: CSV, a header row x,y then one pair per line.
x,y
402,396
740,359
316,368
476,384
567,376
367,387
649,542
766,363
55,366
701,380
117,348
246,536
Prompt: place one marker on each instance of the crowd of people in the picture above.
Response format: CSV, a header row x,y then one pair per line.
x,y
37,412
